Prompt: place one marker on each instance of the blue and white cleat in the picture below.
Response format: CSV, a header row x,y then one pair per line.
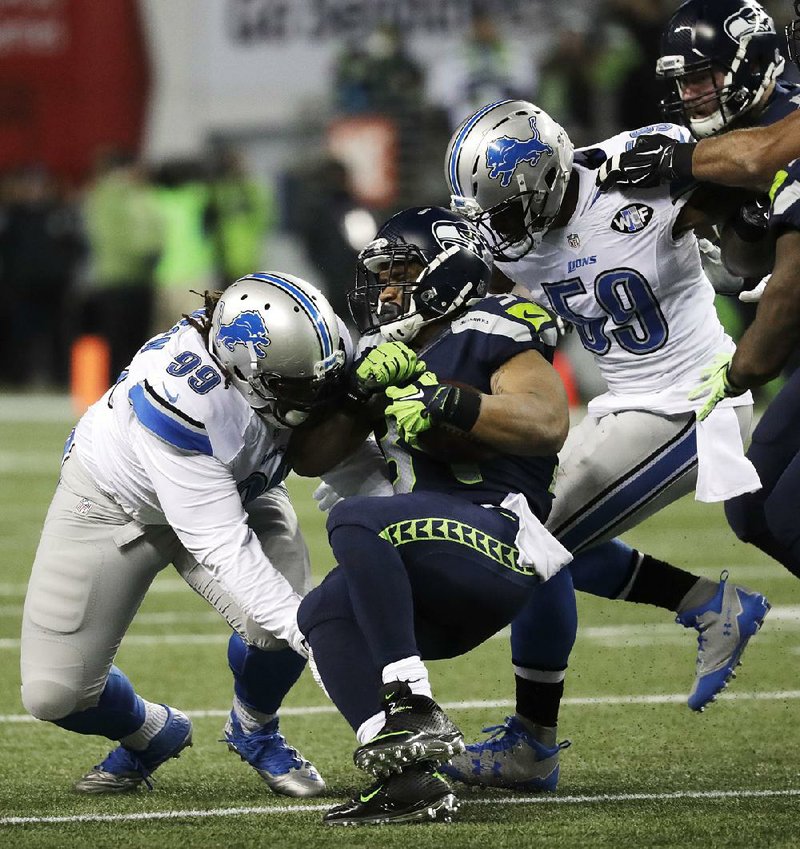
x,y
725,624
510,757
283,769
125,769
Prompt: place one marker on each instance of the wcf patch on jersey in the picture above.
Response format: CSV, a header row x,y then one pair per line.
x,y
632,218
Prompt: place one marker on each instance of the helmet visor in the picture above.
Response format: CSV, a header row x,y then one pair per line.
x,y
386,279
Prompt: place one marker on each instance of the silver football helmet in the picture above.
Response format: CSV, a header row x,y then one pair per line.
x,y
278,339
508,166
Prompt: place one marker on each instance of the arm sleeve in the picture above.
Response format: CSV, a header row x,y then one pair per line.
x,y
199,498
364,472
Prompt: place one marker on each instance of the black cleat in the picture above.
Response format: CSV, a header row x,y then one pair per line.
x,y
417,794
416,729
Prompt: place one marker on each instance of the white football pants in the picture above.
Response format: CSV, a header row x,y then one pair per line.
x,y
92,569
617,470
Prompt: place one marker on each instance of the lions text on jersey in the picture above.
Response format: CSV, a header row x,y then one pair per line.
x,y
637,297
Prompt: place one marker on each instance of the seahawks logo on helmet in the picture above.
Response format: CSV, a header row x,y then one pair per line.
x,y
747,21
461,234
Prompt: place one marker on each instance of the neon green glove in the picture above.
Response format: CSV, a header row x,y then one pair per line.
x,y
714,385
388,364
418,405
409,406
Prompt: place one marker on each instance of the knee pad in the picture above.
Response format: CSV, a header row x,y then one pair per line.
x,y
54,679
48,700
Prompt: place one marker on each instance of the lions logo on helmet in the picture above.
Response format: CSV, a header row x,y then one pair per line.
x,y
287,369
247,328
507,167
505,153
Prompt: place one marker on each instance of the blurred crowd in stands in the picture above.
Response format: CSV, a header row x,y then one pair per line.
x,y
119,255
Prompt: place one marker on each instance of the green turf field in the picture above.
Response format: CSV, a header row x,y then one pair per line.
x,y
643,770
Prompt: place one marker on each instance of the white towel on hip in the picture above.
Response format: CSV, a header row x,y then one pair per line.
x,y
723,471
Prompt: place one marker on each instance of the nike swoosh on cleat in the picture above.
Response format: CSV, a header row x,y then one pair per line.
x,y
388,734
363,798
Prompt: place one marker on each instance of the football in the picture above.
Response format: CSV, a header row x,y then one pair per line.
x,y
451,445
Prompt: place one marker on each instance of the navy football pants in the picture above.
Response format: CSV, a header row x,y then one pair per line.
x,y
418,574
769,518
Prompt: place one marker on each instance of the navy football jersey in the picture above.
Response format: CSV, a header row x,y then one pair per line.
x,y
785,199
784,100
473,347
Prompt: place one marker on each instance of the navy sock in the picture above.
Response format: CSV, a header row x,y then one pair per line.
x,y
261,679
539,701
543,632
660,584
341,653
604,570
118,714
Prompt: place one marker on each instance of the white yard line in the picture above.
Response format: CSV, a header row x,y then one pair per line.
x,y
606,798
781,619
492,704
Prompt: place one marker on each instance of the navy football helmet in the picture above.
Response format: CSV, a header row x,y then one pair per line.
x,y
726,49
434,258
793,35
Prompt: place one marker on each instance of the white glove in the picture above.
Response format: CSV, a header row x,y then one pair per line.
x,y
297,641
312,665
722,280
326,497
753,296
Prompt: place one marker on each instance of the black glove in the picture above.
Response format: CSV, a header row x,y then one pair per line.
x,y
653,159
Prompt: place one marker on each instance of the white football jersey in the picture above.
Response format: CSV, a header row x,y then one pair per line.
x,y
175,390
637,297
171,444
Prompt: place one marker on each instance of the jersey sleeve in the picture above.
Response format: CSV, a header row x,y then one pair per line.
x,y
785,199
200,501
181,397
503,326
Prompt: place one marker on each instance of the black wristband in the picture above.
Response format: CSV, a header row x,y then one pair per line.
x,y
680,164
461,408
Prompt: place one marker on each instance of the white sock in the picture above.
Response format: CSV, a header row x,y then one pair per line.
x,y
155,718
250,720
411,670
370,727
